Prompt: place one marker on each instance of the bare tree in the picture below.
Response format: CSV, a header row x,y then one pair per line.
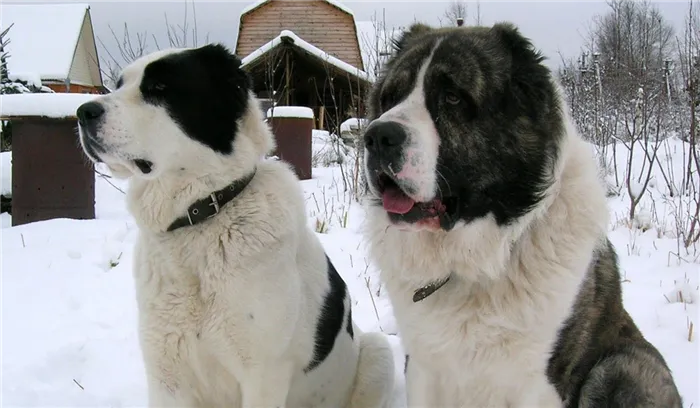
x,y
634,39
477,15
130,46
128,49
377,43
688,210
455,14
619,92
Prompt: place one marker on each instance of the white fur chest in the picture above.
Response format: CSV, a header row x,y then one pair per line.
x,y
481,349
198,297
484,338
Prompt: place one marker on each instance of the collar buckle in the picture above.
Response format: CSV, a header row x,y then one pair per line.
x,y
215,203
211,204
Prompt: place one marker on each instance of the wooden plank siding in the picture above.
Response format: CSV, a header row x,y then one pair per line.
x,y
59,87
315,21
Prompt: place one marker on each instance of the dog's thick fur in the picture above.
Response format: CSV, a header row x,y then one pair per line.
x,y
470,129
243,309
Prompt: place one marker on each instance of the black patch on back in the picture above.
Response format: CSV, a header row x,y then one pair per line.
x,y
617,392
598,332
204,90
405,364
330,321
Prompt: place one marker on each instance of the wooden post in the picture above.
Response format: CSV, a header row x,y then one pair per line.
x,y
287,78
321,116
340,111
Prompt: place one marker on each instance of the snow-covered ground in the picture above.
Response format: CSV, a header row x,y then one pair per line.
x,y
69,315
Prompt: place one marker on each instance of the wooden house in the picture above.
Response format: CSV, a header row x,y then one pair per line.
x,y
305,53
54,44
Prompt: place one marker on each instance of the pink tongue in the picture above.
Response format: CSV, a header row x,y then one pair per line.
x,y
395,201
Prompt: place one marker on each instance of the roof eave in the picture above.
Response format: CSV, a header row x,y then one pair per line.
x,y
97,54
75,47
289,41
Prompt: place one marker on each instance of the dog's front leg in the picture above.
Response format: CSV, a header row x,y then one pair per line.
x,y
538,393
266,385
161,395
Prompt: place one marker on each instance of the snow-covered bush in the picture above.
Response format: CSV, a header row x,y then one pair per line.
x,y
14,83
328,149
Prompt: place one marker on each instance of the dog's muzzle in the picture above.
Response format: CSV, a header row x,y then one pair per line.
x,y
90,117
385,140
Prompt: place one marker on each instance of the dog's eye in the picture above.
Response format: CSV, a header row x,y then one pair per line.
x,y
156,87
452,98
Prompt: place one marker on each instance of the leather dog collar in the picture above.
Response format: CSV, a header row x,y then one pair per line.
x,y
209,206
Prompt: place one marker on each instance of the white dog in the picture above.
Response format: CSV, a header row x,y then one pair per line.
x,y
238,304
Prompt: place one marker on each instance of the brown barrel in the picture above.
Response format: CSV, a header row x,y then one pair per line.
x,y
51,176
292,126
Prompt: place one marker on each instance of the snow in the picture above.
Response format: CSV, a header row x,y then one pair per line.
x,y
52,105
259,3
684,291
69,315
30,78
353,125
328,150
291,112
317,52
43,38
6,174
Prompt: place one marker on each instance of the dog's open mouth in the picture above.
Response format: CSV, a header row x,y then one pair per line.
x,y
439,212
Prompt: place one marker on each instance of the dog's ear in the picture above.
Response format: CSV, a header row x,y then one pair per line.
x,y
228,65
521,48
415,31
529,80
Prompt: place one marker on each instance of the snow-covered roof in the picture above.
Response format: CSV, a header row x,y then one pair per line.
x,y
43,38
50,105
259,3
310,49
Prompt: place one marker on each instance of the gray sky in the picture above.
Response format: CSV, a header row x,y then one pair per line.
x,y
552,25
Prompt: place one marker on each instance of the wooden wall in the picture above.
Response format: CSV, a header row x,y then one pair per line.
x,y
74,88
315,21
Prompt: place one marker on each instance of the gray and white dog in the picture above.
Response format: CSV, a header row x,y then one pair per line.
x,y
488,222
239,306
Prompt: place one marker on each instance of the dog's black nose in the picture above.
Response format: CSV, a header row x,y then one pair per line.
x,y
385,136
90,112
